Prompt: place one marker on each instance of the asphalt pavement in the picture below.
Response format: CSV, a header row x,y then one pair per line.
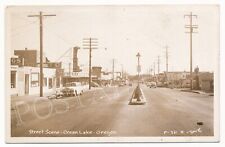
x,y
105,112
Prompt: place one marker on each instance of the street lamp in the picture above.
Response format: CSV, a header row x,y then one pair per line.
x,y
138,67
137,96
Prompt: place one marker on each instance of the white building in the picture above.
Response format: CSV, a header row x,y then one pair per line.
x,y
26,80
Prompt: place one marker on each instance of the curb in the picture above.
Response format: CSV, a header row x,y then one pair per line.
x,y
198,92
190,91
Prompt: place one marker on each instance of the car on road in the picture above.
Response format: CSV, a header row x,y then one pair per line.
x,y
121,84
152,85
147,84
185,84
160,84
74,89
94,84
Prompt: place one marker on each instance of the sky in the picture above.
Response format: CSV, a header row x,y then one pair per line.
x,y
122,31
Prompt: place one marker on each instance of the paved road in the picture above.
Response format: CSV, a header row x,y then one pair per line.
x,y
105,112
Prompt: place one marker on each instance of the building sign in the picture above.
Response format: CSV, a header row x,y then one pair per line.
x,y
17,61
76,74
51,65
55,65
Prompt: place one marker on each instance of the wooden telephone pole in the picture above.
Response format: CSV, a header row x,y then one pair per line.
x,y
158,62
167,64
40,16
154,68
167,56
191,27
90,43
113,70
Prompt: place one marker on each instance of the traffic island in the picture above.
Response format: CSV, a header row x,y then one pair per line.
x,y
137,97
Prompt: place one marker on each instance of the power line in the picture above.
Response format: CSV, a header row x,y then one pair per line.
x,y
60,37
23,26
63,55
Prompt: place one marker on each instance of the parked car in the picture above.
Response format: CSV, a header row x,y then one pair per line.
x,y
159,84
121,84
74,89
58,94
147,84
185,85
94,84
152,85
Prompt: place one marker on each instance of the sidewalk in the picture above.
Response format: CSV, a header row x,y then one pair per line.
x,y
28,98
196,91
31,98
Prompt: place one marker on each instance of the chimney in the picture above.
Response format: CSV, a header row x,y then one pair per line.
x,y
76,68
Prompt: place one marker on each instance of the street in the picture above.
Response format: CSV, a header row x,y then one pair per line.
x,y
105,112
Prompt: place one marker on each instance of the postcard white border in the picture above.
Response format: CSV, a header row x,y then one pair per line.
x,y
106,139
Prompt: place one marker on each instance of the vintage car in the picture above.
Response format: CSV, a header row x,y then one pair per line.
x,y
94,84
151,84
74,89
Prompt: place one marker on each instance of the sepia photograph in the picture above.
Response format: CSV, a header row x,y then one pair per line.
x,y
112,73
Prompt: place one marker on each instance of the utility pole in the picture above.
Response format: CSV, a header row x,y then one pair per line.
x,y
69,69
151,70
191,27
166,61
90,43
40,16
154,68
158,64
167,56
122,71
113,70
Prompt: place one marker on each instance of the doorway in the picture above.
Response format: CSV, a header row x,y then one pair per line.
x,y
26,83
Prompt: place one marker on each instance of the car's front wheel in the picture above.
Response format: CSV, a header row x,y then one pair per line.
x,y
81,92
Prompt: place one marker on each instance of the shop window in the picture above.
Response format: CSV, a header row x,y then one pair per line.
x,y
34,79
13,79
45,82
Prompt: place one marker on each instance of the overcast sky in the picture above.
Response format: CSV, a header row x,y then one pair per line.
x,y
122,31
